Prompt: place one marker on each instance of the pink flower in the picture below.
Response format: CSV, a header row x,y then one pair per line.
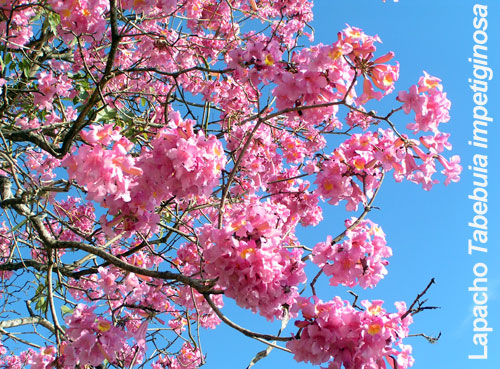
x,y
44,359
412,100
368,93
361,258
331,182
335,333
429,103
452,168
187,358
384,76
91,339
107,174
427,82
250,262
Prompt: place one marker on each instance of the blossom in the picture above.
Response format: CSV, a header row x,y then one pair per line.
x,y
187,358
108,174
452,168
361,258
334,332
429,103
250,263
412,100
6,239
91,339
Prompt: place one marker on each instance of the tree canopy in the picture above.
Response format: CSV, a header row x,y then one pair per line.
x,y
157,158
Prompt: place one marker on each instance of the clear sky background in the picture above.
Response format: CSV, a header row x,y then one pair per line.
x,y
427,231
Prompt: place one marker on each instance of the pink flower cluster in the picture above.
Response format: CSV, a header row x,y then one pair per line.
x,y
257,62
336,333
423,173
146,6
188,357
320,79
133,289
297,196
49,86
80,217
359,161
16,25
360,259
375,72
17,361
44,359
429,103
190,263
5,250
431,107
359,119
91,339
82,16
180,164
251,264
43,164
355,163
107,174
261,159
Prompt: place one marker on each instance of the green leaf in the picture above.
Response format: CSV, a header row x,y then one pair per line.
x,y
65,310
8,58
19,225
125,118
41,305
106,114
54,20
40,288
25,67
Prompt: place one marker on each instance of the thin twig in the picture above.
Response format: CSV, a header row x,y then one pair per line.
x,y
419,296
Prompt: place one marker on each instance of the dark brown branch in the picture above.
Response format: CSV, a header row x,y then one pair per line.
x,y
430,339
27,136
417,300
355,302
42,267
178,73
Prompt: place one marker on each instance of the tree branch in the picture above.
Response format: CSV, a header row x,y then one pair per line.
x,y
26,321
245,331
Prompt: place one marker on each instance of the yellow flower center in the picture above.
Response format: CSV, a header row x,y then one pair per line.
x,y
374,328
328,186
269,60
374,309
245,252
103,326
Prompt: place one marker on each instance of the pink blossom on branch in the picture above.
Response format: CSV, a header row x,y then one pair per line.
x,y
360,259
249,261
335,333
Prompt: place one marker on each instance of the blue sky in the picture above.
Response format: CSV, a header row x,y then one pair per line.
x,y
427,231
